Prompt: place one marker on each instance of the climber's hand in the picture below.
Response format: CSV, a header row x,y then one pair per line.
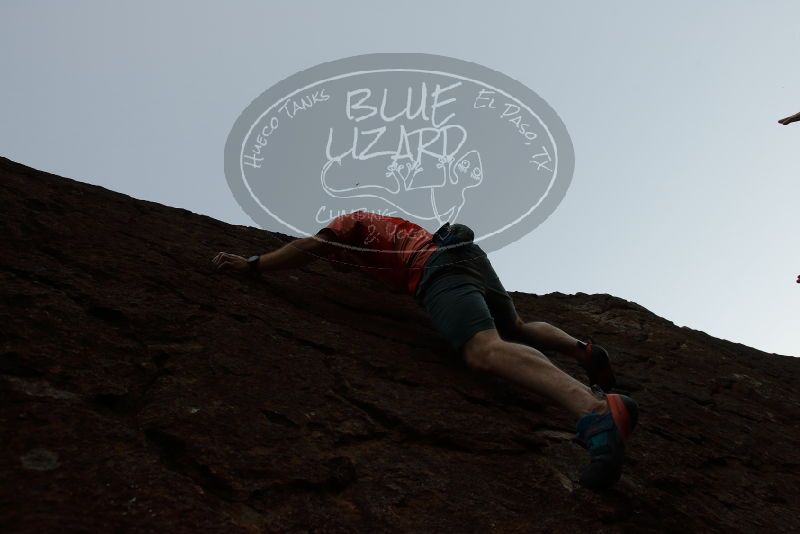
x,y
790,119
230,262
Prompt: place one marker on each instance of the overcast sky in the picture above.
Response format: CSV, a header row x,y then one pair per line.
x,y
685,192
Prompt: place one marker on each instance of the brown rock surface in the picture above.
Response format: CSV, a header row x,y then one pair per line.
x,y
141,391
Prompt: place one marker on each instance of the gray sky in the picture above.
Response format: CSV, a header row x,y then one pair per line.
x,y
685,192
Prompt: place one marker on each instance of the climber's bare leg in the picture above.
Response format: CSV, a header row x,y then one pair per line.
x,y
529,368
545,336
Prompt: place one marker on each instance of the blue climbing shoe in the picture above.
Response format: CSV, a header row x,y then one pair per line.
x,y
605,435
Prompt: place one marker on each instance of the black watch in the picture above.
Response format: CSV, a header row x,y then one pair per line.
x,y
252,261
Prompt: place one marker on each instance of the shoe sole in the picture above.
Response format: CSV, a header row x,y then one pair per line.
x,y
625,412
599,369
604,378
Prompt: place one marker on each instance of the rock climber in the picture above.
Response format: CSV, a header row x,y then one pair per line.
x,y
451,277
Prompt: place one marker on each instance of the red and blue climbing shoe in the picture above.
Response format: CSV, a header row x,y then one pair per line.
x,y
605,435
597,365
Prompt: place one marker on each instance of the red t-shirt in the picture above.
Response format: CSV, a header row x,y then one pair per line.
x,y
391,249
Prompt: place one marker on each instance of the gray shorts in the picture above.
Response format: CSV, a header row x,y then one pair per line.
x,y
463,295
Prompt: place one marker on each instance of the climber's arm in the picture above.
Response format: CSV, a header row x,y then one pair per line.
x,y
295,254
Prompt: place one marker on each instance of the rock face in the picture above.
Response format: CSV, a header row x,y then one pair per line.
x,y
142,391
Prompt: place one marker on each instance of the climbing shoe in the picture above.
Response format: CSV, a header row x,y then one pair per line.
x,y
604,435
597,365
